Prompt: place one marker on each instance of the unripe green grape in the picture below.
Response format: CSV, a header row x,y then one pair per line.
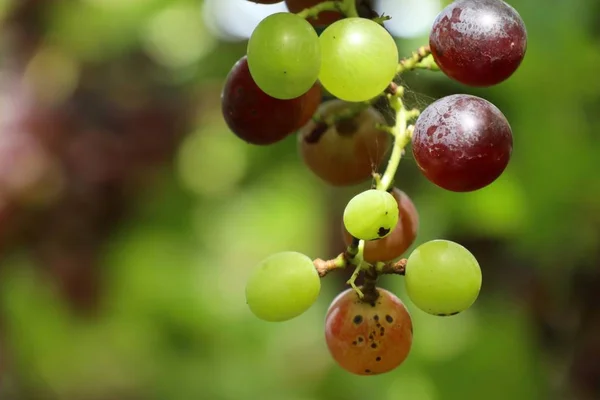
x,y
359,59
282,286
371,215
442,277
284,56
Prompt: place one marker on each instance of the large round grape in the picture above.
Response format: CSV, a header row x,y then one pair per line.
x,y
371,215
462,143
258,118
442,277
359,59
284,56
401,237
348,152
368,339
478,42
323,19
282,286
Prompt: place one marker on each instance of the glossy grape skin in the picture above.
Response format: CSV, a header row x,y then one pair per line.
x,y
462,143
442,278
259,118
359,59
478,42
284,56
365,339
348,152
323,19
282,286
401,237
371,215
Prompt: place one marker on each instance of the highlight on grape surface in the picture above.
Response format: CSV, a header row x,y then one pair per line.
x,y
460,143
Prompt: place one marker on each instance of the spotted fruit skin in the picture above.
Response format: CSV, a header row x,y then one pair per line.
x,y
401,237
365,338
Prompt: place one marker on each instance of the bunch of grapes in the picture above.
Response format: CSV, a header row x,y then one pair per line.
x,y
460,143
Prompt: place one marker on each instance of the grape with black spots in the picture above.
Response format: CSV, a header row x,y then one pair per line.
x,y
348,152
368,338
401,237
371,215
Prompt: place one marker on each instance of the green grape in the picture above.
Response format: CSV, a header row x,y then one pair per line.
x,y
282,286
442,277
284,56
371,215
359,59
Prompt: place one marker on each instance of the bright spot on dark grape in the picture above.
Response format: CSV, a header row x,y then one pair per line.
x,y
462,143
478,42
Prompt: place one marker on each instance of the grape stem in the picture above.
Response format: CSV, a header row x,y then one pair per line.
x,y
349,9
324,267
402,134
346,7
322,124
420,59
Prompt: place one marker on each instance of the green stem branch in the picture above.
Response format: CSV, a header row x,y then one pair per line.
x,y
349,9
324,267
402,134
420,59
314,11
346,7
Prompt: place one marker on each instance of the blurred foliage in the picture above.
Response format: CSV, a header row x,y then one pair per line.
x,y
173,324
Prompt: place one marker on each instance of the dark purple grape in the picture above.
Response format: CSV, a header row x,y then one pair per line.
x,y
462,143
258,118
478,42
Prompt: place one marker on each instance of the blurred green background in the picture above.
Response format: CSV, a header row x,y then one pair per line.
x,y
130,217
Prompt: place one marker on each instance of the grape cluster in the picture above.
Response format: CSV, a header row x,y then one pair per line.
x,y
461,143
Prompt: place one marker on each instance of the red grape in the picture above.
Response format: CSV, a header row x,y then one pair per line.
x,y
478,42
348,152
401,238
324,18
368,339
462,143
259,118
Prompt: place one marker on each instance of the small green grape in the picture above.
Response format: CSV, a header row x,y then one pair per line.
x,y
359,59
282,286
442,277
284,56
371,215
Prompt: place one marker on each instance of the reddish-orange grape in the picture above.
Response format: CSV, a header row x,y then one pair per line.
x,y
401,238
348,152
259,118
365,338
325,18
